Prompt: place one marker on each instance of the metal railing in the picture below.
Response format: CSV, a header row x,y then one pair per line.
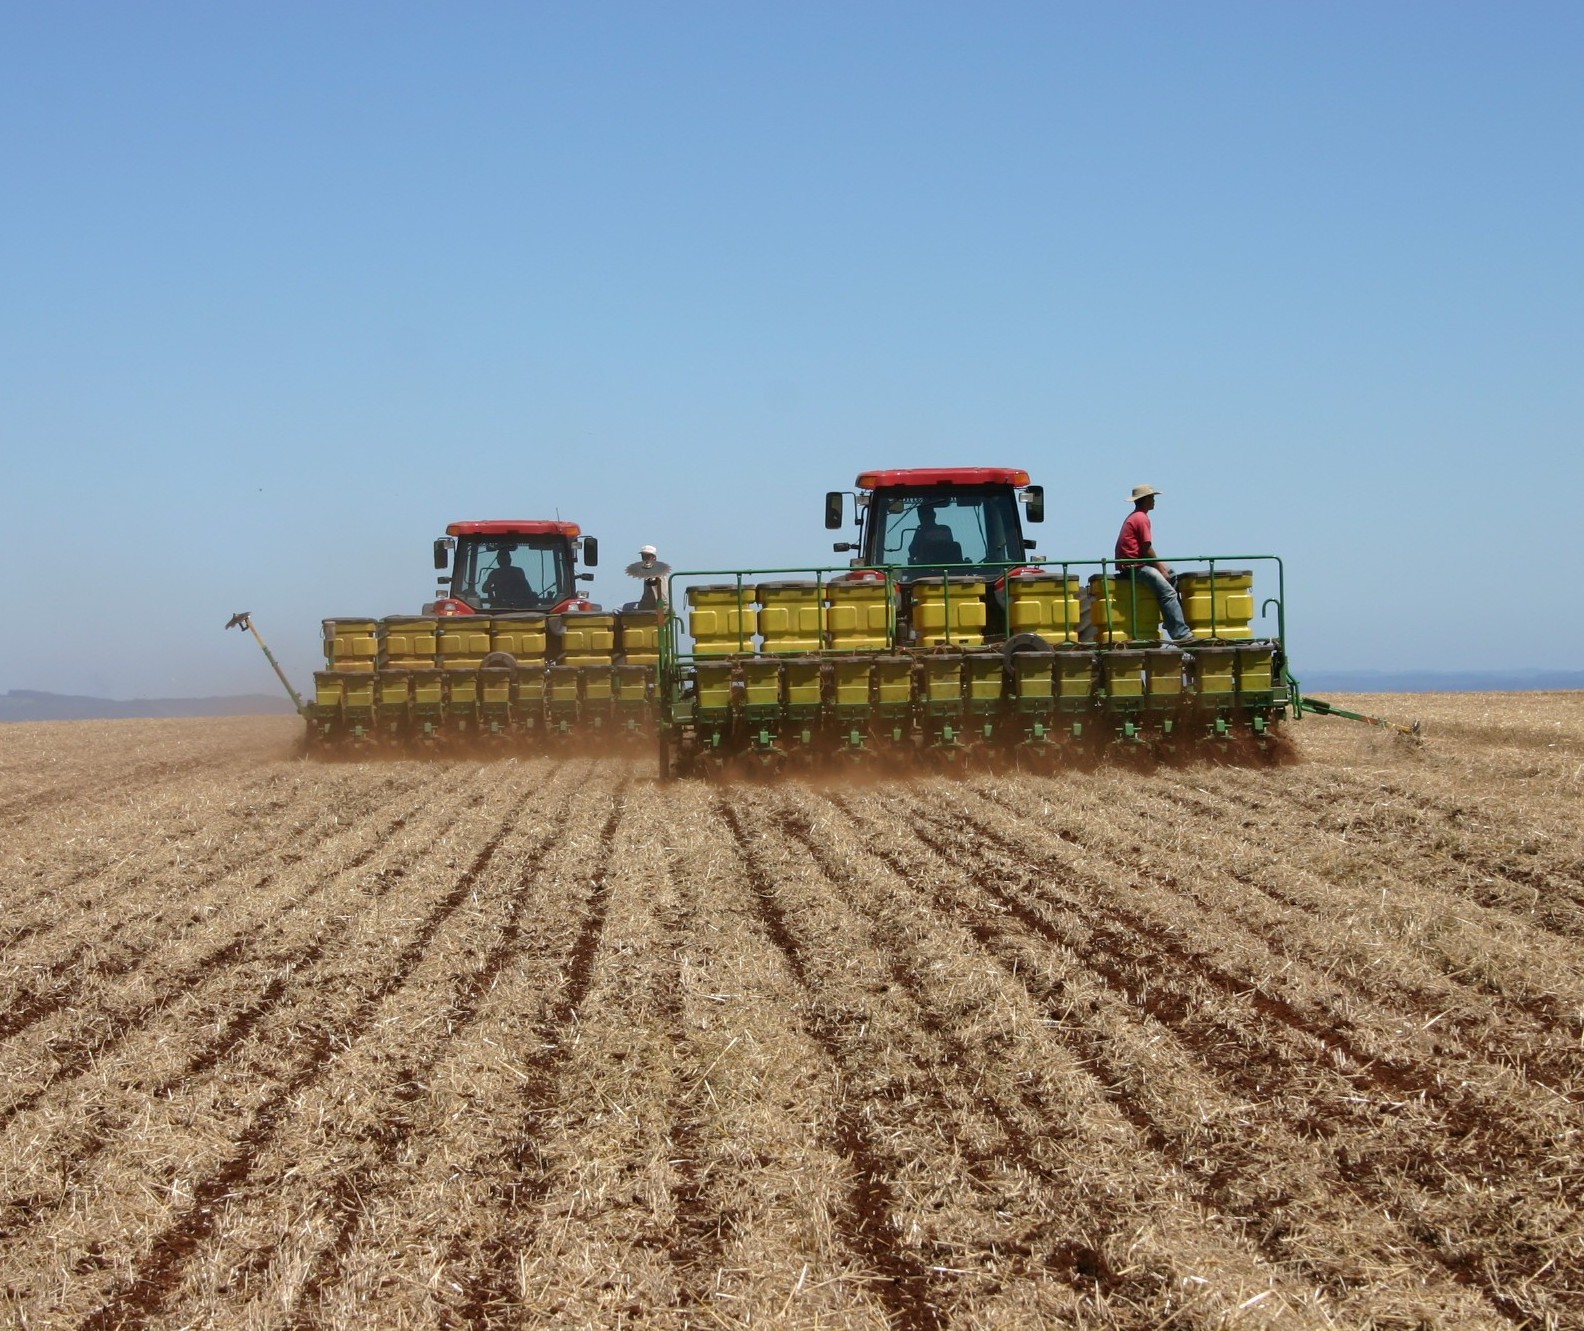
x,y
895,577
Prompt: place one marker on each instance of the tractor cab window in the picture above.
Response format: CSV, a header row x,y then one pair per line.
x,y
928,530
512,573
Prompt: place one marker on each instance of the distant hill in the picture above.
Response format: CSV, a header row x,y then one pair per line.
x,y
29,705
1438,681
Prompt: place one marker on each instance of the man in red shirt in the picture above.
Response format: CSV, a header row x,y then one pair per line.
x,y
1135,554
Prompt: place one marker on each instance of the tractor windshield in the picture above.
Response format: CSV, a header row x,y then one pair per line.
x,y
930,528
512,572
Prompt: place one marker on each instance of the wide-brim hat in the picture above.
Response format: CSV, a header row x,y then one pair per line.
x,y
1143,492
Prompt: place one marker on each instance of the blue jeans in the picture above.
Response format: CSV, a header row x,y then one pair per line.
x,y
1166,594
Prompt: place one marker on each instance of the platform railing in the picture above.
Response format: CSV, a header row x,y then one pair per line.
x,y
674,635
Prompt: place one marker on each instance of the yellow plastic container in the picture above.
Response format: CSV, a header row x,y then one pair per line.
x,y
800,681
428,688
392,694
1122,674
495,687
984,672
561,686
1228,606
852,681
713,682
1256,669
462,688
638,637
395,689
588,637
632,682
1049,604
523,636
528,689
599,683
358,690
1215,673
1134,613
761,685
462,641
791,616
721,619
893,683
943,679
329,688
858,615
351,644
561,689
1075,672
1163,672
949,609
1034,675
407,640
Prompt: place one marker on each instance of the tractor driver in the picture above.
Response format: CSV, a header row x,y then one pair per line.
x,y
932,542
507,585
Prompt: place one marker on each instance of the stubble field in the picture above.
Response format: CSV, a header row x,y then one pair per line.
x,y
292,1044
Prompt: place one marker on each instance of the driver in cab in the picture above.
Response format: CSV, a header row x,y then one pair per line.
x,y
506,584
932,542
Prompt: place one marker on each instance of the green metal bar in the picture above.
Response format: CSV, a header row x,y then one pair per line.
x,y
1322,708
894,576
1002,566
243,619
740,647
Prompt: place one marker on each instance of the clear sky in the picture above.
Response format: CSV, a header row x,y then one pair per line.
x,y
287,287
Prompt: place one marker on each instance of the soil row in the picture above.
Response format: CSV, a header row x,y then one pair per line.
x,y
549,1042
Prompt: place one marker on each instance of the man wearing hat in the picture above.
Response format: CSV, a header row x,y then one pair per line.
x,y
1135,554
655,575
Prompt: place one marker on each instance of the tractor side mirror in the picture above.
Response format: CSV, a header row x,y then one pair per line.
x,y
590,551
833,509
1034,501
442,554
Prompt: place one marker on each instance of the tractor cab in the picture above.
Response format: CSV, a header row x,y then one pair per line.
x,y
501,567
923,522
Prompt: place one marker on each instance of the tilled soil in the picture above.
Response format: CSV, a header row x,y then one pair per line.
x,y
546,1042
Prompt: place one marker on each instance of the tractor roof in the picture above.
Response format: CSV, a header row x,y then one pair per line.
x,y
514,527
885,480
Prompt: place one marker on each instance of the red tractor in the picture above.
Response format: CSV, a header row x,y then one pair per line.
x,y
502,566
927,522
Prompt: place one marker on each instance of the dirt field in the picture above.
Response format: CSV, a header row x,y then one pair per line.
x,y
547,1043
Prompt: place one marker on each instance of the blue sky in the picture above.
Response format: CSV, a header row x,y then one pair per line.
x,y
288,287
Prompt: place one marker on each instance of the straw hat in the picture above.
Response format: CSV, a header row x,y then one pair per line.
x,y
1143,492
